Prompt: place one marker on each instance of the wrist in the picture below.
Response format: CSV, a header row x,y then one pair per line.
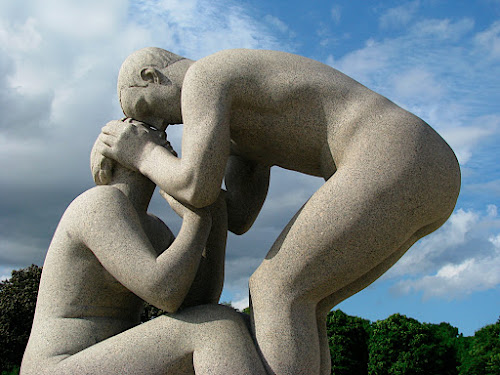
x,y
201,216
146,154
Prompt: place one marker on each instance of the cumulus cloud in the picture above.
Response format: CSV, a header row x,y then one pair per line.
x,y
454,281
460,258
431,71
365,63
58,67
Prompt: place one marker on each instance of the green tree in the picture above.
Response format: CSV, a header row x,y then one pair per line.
x,y
404,346
348,342
17,308
483,354
150,312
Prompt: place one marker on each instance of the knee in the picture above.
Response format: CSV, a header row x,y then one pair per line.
x,y
273,288
217,317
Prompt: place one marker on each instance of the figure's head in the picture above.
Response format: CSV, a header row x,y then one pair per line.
x,y
105,170
149,87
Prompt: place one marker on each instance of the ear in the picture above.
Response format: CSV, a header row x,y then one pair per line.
x,y
151,75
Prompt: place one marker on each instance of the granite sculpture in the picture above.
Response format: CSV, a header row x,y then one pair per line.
x,y
390,179
107,256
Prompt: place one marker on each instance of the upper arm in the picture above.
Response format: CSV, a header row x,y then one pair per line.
x,y
206,104
247,183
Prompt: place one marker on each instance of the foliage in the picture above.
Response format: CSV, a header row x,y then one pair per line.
x,y
348,342
483,354
17,308
150,312
401,345
13,371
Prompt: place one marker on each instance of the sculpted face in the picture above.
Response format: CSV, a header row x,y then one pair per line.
x,y
156,104
149,90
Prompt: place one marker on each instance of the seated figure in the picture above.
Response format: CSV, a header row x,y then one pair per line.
x,y
107,256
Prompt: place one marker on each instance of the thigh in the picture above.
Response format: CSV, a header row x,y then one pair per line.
x,y
169,344
355,221
156,347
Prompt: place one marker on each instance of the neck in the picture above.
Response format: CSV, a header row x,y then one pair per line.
x,y
176,71
137,188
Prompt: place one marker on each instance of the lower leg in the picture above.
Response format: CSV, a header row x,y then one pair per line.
x,y
286,334
324,347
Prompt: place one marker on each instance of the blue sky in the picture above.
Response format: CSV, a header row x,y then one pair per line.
x,y
439,59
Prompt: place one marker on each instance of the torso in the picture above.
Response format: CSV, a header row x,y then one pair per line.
x,y
302,115
79,302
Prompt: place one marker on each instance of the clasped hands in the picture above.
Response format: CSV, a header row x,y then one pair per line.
x,y
128,141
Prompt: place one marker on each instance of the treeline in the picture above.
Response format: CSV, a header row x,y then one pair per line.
x,y
397,345
402,345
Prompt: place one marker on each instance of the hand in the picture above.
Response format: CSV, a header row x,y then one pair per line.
x,y
183,209
128,141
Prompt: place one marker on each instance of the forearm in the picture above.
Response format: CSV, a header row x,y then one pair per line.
x,y
178,178
208,283
165,170
182,259
247,185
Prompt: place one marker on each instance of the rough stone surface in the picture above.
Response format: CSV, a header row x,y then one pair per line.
x,y
107,255
390,179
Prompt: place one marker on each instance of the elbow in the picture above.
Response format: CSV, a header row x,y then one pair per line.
x,y
239,222
200,196
169,298
239,228
170,305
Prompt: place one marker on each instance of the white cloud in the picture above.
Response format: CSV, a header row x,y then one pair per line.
x,y
276,22
464,139
417,84
455,281
441,29
433,71
336,13
489,41
364,63
241,304
399,16
460,258
58,67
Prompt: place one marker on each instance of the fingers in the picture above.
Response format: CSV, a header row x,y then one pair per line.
x,y
107,139
103,148
113,127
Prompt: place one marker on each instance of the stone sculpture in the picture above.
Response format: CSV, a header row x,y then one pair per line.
x,y
390,179
107,255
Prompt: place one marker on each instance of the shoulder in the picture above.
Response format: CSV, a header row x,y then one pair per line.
x,y
95,204
223,65
97,196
